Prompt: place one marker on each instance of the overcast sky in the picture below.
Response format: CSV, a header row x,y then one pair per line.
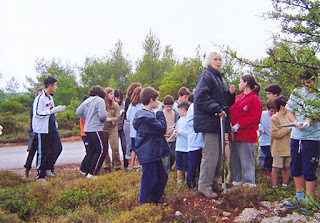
x,y
75,29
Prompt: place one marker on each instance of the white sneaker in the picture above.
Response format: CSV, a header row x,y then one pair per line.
x,y
90,176
49,173
237,183
249,185
41,181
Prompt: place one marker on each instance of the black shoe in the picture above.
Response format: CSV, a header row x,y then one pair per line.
x,y
208,194
217,188
26,174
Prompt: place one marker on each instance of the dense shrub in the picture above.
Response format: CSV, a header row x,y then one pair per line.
x,y
16,200
26,101
9,218
145,213
68,119
12,106
8,179
11,124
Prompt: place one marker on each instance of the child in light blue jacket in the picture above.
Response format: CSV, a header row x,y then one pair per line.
x,y
182,142
195,145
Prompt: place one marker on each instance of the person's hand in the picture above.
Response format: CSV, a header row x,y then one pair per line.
x,y
108,120
222,114
177,132
262,131
302,125
232,89
57,109
235,128
1,129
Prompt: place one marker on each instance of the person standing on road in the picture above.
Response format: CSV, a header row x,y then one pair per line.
x,y
110,132
118,97
211,101
45,127
32,142
126,124
93,112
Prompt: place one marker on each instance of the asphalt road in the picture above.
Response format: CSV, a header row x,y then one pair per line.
x,y
14,157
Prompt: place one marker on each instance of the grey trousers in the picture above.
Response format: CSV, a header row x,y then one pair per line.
x,y
241,161
126,131
210,162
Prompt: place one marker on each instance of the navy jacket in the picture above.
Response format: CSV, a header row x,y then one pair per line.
x,y
150,144
211,98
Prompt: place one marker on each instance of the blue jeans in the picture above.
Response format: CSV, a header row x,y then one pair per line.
x,y
194,160
267,164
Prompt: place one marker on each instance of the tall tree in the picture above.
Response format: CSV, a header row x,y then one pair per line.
x,y
109,71
151,69
120,66
184,74
95,71
294,49
12,87
66,76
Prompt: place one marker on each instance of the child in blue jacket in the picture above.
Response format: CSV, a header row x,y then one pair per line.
x,y
151,146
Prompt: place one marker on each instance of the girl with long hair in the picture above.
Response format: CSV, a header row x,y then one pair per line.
x,y
126,124
110,131
134,106
245,116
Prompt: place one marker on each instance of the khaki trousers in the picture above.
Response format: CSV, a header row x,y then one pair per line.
x,y
111,137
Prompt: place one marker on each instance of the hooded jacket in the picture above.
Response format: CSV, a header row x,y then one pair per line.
x,y
211,98
150,144
42,105
93,111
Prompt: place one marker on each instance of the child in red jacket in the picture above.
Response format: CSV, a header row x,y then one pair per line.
x,y
245,116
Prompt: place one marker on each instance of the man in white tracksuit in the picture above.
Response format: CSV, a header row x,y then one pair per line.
x,y
44,125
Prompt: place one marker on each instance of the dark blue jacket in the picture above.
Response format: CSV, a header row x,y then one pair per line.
x,y
150,144
211,98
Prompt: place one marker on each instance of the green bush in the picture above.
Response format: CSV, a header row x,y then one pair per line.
x,y
145,213
26,101
68,119
12,106
8,179
16,200
80,215
9,218
10,124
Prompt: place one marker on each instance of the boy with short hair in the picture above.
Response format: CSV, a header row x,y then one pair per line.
x,y
264,139
305,136
44,125
280,142
171,117
183,95
151,146
182,142
273,91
